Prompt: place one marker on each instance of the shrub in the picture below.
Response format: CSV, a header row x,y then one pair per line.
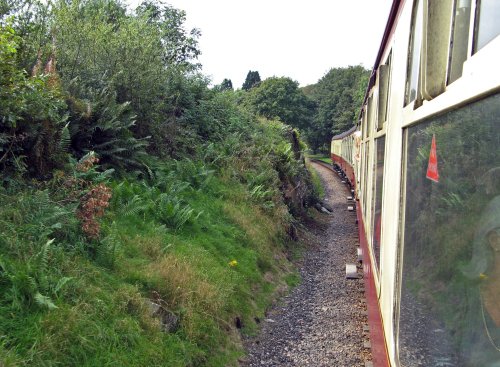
x,y
32,118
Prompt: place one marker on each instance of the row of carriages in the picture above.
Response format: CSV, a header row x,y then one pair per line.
x,y
423,161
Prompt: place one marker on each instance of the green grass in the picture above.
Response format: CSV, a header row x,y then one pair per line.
x,y
318,189
207,241
100,316
293,279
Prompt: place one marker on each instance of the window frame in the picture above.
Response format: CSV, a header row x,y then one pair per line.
x,y
384,74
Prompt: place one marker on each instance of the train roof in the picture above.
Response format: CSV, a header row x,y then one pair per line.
x,y
345,133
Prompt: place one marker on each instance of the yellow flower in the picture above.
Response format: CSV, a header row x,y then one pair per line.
x,y
233,263
483,276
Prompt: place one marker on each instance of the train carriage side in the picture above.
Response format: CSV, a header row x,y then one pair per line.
x,y
342,154
428,184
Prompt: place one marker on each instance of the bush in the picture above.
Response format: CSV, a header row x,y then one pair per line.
x,y
32,117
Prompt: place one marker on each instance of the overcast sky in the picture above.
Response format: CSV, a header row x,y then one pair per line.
x,y
294,38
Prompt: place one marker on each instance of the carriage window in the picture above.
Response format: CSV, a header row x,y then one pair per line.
x,y
377,200
384,72
364,123
349,149
365,178
459,40
437,46
362,172
399,254
369,125
487,26
414,56
450,282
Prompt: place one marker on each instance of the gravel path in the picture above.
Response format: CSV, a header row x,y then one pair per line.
x,y
320,323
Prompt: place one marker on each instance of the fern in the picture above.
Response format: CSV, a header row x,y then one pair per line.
x,y
164,201
61,283
43,255
259,193
135,206
65,139
44,301
105,127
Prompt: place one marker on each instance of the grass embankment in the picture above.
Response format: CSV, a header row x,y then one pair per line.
x,y
317,186
192,223
207,245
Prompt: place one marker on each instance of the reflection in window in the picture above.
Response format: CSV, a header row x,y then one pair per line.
x,y
414,56
487,24
450,283
377,200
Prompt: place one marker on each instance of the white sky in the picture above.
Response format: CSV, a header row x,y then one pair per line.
x,y
294,38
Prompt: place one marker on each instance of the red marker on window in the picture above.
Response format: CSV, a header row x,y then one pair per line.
x,y
432,167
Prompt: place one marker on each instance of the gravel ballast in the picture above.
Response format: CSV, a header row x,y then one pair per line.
x,y
322,322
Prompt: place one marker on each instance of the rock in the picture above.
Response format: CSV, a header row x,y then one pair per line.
x,y
326,211
327,207
169,322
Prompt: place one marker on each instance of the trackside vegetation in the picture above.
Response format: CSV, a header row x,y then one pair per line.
x,y
319,111
207,244
146,219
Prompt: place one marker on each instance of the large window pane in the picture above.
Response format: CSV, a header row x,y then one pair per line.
x,y
487,24
450,285
377,200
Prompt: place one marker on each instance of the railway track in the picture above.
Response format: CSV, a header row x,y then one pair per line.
x,y
322,322
330,168
324,164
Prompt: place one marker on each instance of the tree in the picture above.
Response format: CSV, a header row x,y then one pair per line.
x,y
226,84
179,46
32,119
338,95
144,59
281,98
252,80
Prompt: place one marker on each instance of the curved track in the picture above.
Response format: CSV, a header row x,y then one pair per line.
x,y
322,321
